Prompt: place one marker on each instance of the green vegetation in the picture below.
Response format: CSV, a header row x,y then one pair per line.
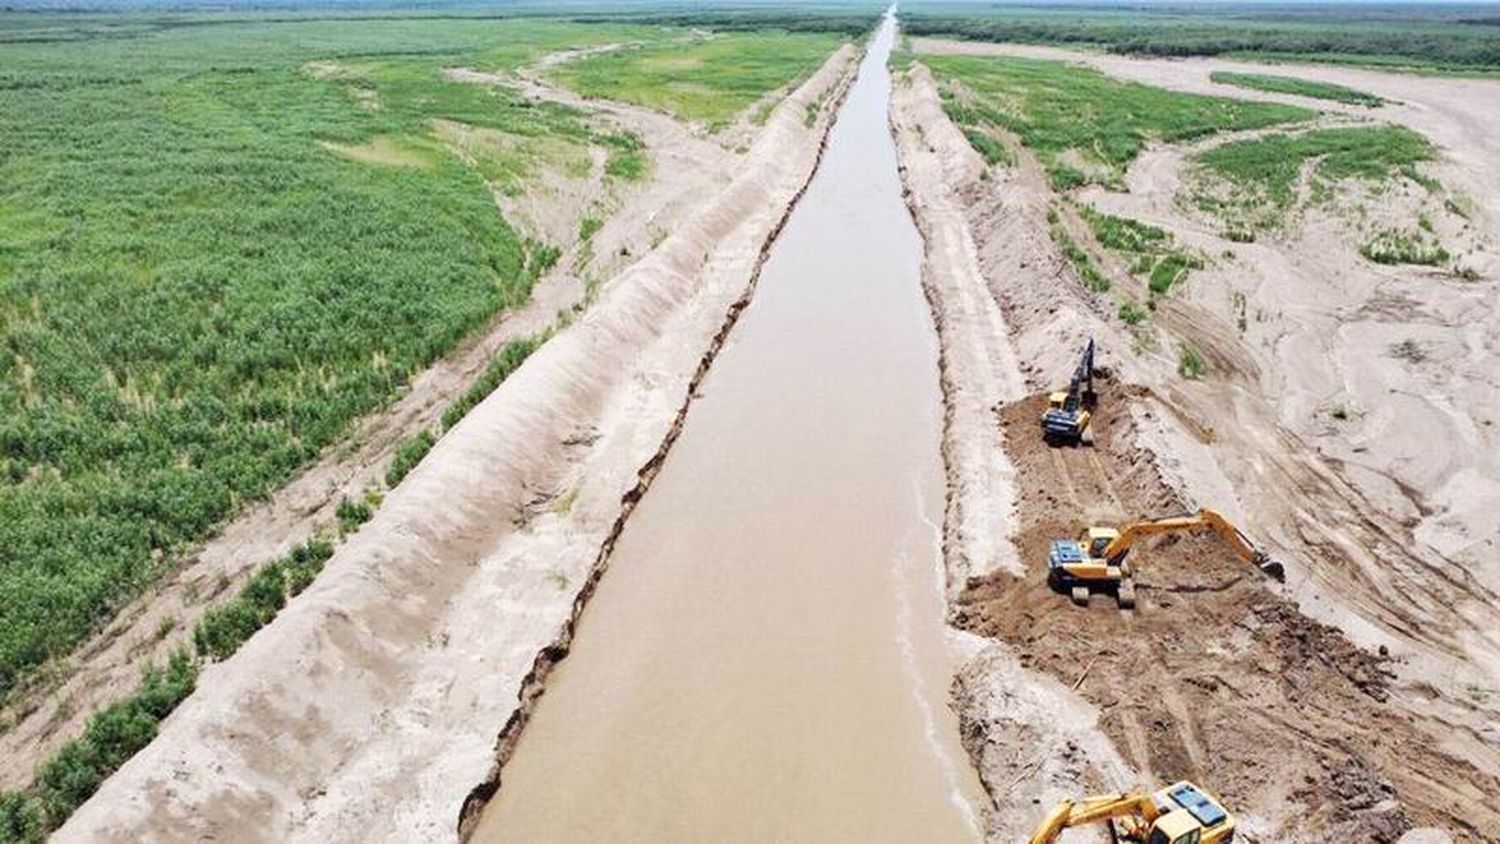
x,y
509,360
1293,85
1190,364
120,730
219,245
711,80
113,735
588,227
1262,174
1405,247
223,629
992,150
408,454
1152,251
1424,37
848,19
1084,126
1131,314
1088,273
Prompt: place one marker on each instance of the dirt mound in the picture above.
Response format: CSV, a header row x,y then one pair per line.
x,y
1215,677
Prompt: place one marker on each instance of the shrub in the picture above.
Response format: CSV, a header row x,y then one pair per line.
x,y
408,455
1190,364
223,629
509,360
1130,314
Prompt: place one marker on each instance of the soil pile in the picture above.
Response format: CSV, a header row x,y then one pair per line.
x,y
1215,677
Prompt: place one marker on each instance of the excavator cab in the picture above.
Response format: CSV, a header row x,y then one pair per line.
x,y
1181,813
1068,413
1175,828
1096,539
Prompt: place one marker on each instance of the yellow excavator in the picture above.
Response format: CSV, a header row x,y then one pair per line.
x,y
1097,560
1181,813
1069,412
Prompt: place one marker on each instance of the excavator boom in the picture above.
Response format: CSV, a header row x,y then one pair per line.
x,y
1204,519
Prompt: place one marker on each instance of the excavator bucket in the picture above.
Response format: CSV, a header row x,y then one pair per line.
x,y
1272,568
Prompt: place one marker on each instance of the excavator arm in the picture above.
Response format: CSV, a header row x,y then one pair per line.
x,y
1204,519
1071,813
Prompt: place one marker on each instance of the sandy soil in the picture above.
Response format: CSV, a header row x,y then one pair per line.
x,y
1392,507
371,705
686,172
1228,442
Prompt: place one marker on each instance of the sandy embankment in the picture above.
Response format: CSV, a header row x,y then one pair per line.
x,y
371,705
1033,739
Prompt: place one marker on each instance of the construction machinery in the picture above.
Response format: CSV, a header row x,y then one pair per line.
x,y
1066,419
1181,813
1097,560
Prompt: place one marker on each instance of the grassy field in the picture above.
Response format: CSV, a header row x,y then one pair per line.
x,y
710,80
221,241
1293,85
1084,126
1254,182
1434,37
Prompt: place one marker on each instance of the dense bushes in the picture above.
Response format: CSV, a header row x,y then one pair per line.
x,y
1416,40
197,295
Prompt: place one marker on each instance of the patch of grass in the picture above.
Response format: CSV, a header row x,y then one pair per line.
x,y
990,149
1084,126
113,735
1293,85
1262,174
1082,262
509,360
1190,364
628,159
1131,314
223,629
1152,250
1405,247
408,454
710,80
353,512
588,227
120,730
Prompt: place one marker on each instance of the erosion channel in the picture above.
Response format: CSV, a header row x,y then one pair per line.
x,y
767,657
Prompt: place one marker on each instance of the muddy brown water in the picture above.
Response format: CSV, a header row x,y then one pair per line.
x,y
767,658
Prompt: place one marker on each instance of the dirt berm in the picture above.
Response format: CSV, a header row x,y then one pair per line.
x,y
1214,677
371,706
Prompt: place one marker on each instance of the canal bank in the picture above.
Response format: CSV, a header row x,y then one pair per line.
x,y
767,658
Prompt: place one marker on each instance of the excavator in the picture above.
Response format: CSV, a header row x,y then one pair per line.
x,y
1066,419
1097,560
1181,813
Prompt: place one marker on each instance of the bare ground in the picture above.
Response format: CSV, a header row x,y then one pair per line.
x,y
371,705
1362,578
